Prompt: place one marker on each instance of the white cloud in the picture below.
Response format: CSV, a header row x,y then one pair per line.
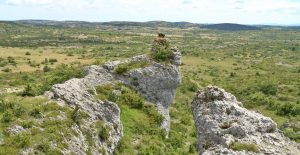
x,y
56,3
268,6
241,11
244,5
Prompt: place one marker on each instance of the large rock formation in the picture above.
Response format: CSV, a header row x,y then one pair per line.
x,y
225,127
156,82
77,93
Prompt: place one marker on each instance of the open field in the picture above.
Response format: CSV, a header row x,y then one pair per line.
x,y
260,67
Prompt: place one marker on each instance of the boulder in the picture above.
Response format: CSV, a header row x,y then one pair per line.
x,y
221,122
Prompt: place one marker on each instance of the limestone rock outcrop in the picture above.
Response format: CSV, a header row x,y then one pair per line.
x,y
221,122
156,82
77,94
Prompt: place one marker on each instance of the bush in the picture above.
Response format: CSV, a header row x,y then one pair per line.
x,y
188,86
7,116
161,54
20,140
28,91
46,69
6,70
243,146
27,53
289,132
54,76
36,112
268,89
154,116
124,68
52,60
288,109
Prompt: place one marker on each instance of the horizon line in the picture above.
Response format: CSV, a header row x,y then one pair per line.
x,y
90,21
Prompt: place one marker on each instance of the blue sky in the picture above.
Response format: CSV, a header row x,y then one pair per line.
x,y
284,12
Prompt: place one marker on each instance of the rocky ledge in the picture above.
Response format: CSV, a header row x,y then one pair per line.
x,y
225,127
156,82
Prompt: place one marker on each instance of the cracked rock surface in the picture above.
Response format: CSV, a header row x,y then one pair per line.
x,y
156,82
221,120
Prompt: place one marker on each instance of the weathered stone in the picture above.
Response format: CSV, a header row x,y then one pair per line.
x,y
16,130
157,83
220,120
77,93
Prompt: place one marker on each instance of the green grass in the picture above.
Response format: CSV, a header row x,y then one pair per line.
x,y
27,112
125,68
244,146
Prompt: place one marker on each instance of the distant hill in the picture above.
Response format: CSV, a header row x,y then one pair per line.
x,y
230,27
113,23
154,24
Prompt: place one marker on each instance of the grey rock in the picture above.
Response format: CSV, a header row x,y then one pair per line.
x,y
157,83
176,56
16,129
220,120
77,93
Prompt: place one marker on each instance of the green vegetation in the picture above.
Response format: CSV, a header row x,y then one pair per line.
x,y
140,121
161,53
293,133
260,67
243,146
124,68
44,82
27,112
103,130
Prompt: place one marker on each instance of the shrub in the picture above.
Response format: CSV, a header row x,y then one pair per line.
x,y
6,70
43,147
18,110
268,89
132,99
20,140
243,146
124,68
104,91
52,60
28,91
288,109
289,132
188,86
46,69
54,76
161,54
36,112
154,116
27,53
7,116
5,105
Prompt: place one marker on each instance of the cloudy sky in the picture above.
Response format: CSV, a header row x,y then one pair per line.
x,y
284,12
